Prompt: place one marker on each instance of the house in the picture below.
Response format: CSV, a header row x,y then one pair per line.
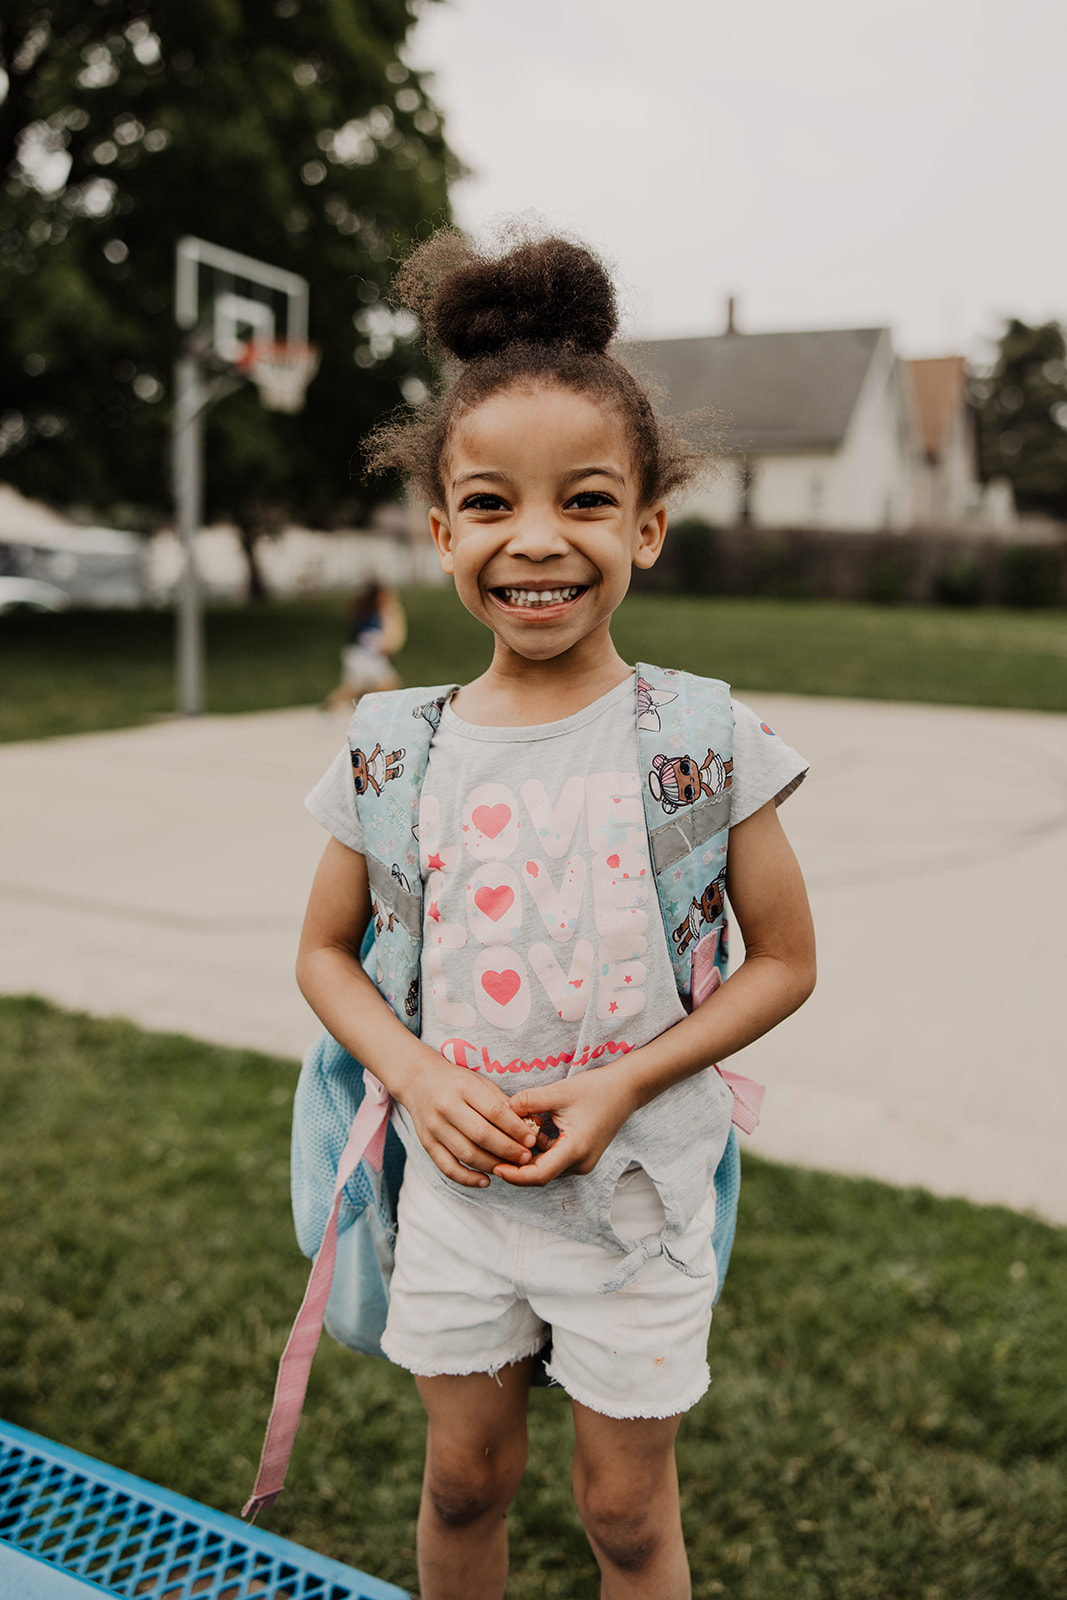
x,y
824,429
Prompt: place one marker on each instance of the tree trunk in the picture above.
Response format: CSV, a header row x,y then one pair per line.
x,y
257,584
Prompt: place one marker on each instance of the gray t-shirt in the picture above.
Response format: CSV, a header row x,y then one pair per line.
x,y
544,952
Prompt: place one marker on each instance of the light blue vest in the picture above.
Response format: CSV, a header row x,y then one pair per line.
x,y
685,743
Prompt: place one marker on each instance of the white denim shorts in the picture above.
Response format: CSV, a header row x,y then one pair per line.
x,y
473,1290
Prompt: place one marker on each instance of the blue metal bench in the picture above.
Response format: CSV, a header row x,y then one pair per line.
x,y
70,1525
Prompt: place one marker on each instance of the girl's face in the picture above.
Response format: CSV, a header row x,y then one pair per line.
x,y
543,523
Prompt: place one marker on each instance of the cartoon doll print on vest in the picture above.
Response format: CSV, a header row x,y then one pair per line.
x,y
648,701
678,781
701,913
375,770
431,710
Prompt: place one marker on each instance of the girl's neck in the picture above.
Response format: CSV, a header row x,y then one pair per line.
x,y
515,692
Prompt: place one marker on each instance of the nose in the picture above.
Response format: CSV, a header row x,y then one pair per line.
x,y
538,536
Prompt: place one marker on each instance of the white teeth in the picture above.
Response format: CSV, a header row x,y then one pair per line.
x,y
539,597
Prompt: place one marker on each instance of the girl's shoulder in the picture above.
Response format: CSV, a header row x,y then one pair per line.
x,y
398,714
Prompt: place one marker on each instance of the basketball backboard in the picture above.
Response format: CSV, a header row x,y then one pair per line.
x,y
234,300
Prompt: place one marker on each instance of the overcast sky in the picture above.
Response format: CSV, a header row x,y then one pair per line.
x,y
829,162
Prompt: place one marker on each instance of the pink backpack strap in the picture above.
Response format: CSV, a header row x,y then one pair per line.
x,y
748,1099
366,1140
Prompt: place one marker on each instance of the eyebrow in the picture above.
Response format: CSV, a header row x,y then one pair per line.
x,y
570,477
467,477
595,472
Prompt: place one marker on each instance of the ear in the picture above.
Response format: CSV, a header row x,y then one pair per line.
x,y
441,534
650,536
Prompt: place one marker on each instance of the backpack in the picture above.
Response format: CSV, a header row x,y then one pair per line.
x,y
347,1160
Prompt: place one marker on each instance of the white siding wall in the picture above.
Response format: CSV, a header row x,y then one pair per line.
x,y
792,491
718,503
871,484
959,492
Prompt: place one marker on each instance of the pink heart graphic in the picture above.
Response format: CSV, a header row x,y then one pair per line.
x,y
494,902
491,820
501,986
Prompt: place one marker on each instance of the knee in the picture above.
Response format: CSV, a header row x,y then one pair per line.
x,y
621,1525
461,1490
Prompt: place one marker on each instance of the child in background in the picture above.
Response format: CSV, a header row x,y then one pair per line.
x,y
377,629
559,1112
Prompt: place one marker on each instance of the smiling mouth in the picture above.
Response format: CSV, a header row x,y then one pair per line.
x,y
533,599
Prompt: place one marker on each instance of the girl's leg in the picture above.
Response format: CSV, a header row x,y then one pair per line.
x,y
475,1458
626,1490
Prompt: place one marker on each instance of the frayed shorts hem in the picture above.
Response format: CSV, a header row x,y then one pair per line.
x,y
632,1410
468,1367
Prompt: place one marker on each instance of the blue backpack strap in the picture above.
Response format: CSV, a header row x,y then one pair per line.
x,y
389,739
389,742
685,739
685,734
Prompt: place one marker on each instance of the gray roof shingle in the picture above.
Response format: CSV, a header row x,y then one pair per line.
x,y
774,391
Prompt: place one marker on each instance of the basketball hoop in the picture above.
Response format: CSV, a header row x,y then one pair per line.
x,y
281,369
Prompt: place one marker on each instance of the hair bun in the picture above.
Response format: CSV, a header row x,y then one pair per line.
x,y
546,291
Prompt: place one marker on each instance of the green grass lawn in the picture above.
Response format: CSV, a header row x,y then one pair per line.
x,y
83,671
888,1418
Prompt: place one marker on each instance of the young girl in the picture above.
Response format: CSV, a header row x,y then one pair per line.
x,y
377,629
561,1123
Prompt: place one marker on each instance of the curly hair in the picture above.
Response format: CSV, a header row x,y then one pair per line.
x,y
542,311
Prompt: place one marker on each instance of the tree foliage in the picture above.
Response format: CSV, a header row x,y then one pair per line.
x,y
1022,416
291,131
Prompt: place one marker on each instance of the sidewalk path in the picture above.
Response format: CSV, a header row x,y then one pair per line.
x,y
161,873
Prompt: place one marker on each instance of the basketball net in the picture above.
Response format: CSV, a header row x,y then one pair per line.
x,y
281,369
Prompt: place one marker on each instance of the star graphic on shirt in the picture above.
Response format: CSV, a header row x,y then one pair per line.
x,y
433,911
614,1006
627,979
435,863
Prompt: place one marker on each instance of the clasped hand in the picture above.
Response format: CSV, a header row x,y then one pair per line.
x,y
471,1128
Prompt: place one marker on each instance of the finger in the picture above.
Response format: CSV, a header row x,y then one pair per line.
x,y
470,1149
502,1128
472,1113
513,1124
446,1163
535,1102
541,1170
487,1138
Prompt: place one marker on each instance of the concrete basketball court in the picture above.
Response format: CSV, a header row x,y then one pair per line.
x,y
160,873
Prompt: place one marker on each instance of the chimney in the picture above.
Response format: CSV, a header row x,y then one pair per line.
x,y
731,306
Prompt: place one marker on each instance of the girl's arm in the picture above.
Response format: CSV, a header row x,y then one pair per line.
x,y
769,900
463,1121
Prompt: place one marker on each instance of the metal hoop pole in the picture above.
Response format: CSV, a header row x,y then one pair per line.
x,y
190,400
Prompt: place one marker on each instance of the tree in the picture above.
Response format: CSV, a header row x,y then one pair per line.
x,y
1022,416
290,131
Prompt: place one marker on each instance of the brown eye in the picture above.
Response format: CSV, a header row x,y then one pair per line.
x,y
483,502
589,499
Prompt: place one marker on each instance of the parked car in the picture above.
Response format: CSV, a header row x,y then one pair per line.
x,y
30,594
